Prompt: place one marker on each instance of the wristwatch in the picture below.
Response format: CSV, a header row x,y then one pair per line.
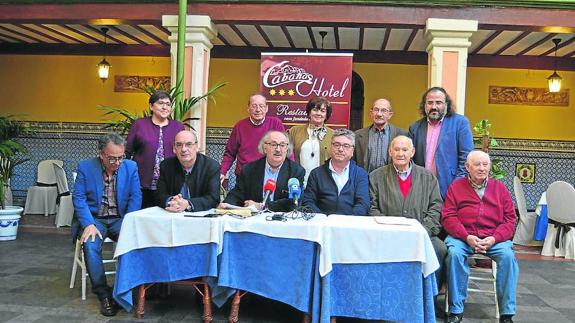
x,y
190,207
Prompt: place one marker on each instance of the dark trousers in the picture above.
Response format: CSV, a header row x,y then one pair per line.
x,y
148,198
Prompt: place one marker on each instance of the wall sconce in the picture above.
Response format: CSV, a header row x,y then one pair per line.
x,y
322,33
554,80
104,66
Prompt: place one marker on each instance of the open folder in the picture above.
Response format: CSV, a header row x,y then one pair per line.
x,y
244,212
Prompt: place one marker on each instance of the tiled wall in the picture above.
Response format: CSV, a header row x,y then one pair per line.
x,y
70,142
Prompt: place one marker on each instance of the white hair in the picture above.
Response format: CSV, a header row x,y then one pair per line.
x,y
477,153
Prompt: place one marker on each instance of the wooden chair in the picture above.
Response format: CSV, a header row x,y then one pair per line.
x,y
200,285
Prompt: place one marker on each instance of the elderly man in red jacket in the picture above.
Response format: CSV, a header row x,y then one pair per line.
x,y
479,216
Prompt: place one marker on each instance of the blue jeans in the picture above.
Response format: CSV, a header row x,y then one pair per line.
x,y
93,255
458,274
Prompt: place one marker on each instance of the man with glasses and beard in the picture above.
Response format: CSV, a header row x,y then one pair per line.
x,y
189,181
106,188
249,189
442,138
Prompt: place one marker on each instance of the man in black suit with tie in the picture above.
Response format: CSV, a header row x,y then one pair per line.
x,y
249,189
189,181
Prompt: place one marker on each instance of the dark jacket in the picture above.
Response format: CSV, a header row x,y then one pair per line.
x,y
361,152
321,192
250,186
203,182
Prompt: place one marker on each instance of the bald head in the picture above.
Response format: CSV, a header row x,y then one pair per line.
x,y
401,152
186,147
477,154
478,165
381,112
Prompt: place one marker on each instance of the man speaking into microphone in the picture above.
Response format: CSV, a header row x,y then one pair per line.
x,y
255,183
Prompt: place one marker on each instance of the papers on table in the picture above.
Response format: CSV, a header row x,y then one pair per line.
x,y
200,213
393,220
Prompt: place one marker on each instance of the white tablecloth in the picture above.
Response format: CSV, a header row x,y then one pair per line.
x,y
342,239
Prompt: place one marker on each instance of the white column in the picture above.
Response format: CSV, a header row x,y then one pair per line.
x,y
447,47
199,32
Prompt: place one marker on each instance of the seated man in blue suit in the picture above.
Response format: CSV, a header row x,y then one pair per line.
x,y
339,186
107,187
442,138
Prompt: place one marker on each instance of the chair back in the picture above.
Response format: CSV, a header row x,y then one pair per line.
x,y
46,175
561,202
519,197
61,180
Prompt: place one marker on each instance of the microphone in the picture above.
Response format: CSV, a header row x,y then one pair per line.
x,y
294,190
269,187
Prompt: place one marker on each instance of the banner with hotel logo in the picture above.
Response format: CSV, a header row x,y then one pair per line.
x,y
290,80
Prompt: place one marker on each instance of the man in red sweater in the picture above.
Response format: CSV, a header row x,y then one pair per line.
x,y
242,145
479,216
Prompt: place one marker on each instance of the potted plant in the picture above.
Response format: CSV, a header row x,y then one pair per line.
x,y
10,128
486,140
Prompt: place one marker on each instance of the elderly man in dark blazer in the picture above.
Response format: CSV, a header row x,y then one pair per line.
x,y
407,190
190,181
249,189
372,143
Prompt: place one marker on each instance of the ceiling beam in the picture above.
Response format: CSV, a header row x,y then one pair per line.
x,y
90,13
85,50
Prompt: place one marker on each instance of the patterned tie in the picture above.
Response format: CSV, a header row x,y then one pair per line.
x,y
320,133
158,160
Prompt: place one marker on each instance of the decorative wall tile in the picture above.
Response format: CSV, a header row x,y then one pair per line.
x,y
71,142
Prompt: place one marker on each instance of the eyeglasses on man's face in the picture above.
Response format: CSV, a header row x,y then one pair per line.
x,y
275,145
114,159
338,145
436,103
258,106
384,111
189,144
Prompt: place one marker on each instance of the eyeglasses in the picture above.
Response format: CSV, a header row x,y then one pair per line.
x,y
114,159
189,145
438,103
337,145
164,103
275,145
258,106
381,110
323,110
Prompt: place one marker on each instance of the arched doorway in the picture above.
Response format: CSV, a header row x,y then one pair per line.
x,y
357,101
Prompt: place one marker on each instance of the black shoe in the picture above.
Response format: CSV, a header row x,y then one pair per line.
x,y
108,307
454,318
506,319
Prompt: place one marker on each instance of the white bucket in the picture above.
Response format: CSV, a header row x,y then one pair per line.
x,y
9,219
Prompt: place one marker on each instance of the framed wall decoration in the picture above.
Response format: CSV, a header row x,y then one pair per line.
x,y
134,83
516,95
525,172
